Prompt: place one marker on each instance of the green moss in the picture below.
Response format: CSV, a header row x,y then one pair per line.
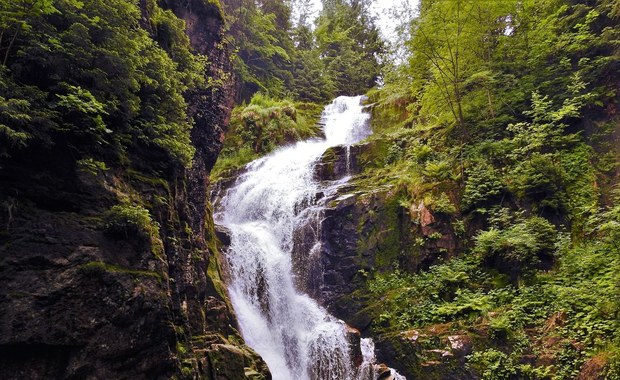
x,y
386,233
182,349
105,267
155,182
214,267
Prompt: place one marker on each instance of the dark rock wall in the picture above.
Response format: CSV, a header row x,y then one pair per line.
x,y
77,302
364,229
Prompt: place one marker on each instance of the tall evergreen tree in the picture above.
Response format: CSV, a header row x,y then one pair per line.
x,y
349,44
260,36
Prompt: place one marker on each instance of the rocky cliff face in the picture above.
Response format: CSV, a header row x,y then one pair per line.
x,y
365,228
81,299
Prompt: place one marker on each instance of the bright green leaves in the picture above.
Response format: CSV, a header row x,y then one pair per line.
x,y
130,220
17,16
339,57
83,112
518,248
451,57
530,167
349,44
552,168
14,112
18,13
169,32
483,187
93,75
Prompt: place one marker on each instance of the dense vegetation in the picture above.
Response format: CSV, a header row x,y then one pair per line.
x,y
282,57
85,75
503,120
262,125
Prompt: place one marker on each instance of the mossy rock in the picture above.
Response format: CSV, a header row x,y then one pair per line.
x,y
233,363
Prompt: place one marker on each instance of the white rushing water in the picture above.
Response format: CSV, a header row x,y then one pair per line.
x,y
295,336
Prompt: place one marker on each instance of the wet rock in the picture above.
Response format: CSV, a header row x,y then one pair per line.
x,y
427,354
460,345
217,190
338,162
383,372
354,341
233,363
371,231
223,235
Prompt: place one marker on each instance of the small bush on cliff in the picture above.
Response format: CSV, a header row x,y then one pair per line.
x,y
129,220
483,186
492,365
519,248
91,166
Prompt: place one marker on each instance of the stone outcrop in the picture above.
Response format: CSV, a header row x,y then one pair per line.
x,y
338,162
433,353
364,229
80,302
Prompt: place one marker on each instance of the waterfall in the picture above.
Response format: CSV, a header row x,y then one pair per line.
x,y
296,337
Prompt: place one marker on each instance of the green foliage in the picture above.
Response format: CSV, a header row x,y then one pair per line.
x,y
84,111
261,126
440,204
99,266
129,220
483,186
493,364
91,166
569,304
502,119
439,170
518,248
465,304
340,56
551,167
232,161
349,44
87,75
432,296
260,35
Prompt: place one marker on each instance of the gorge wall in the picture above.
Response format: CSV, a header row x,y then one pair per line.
x,y
90,293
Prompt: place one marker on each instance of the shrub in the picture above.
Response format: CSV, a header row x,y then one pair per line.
x,y
91,166
518,248
492,365
440,204
129,220
542,181
482,187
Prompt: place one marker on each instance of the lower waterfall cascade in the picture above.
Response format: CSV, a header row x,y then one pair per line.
x,y
275,195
